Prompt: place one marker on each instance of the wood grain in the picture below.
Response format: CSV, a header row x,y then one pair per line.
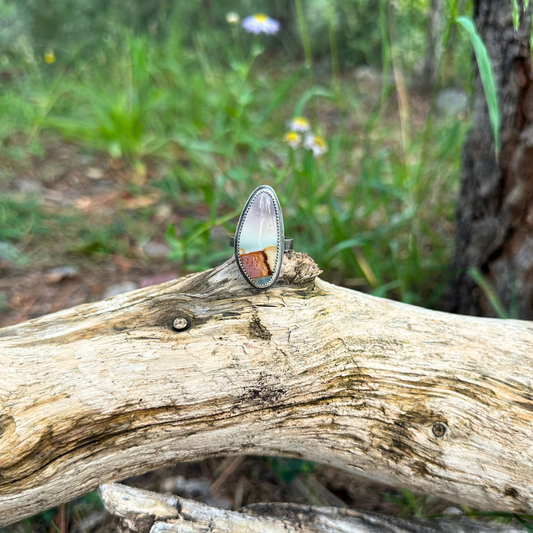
x,y
436,402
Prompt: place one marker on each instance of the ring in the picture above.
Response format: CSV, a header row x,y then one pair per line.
x,y
259,241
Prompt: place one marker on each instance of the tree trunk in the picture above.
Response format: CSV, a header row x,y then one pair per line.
x,y
206,366
142,511
495,211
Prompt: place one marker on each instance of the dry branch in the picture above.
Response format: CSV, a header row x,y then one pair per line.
x,y
142,511
432,401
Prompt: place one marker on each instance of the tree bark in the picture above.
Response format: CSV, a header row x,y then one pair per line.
x,y
142,511
495,211
432,401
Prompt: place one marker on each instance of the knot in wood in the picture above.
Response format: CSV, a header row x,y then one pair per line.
x,y
257,330
299,269
181,323
438,429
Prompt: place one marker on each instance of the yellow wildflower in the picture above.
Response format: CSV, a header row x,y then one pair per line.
x,y
299,124
49,57
293,139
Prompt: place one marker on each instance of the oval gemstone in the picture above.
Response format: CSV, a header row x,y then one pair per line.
x,y
259,239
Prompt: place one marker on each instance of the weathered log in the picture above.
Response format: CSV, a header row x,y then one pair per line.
x,y
422,399
142,511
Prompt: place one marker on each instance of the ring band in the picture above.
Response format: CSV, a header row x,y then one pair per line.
x,y
289,243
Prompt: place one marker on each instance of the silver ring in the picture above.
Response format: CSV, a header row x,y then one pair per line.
x,y
259,241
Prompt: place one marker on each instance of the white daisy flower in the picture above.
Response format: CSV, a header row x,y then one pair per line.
x,y
293,139
316,144
260,23
299,124
232,18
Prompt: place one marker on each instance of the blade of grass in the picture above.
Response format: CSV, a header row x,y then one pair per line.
x,y
527,526
385,52
486,75
206,226
401,88
280,95
305,37
348,243
489,292
333,46
365,267
314,91
516,15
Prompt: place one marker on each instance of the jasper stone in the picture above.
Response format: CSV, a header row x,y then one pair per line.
x,y
259,238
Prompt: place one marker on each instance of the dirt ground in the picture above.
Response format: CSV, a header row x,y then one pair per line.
x,y
86,189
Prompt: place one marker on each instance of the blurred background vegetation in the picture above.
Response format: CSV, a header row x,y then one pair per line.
x,y
193,110
132,136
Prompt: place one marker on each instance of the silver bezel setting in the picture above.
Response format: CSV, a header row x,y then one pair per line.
x,y
263,189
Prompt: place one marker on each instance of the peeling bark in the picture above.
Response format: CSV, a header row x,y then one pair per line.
x,y
432,401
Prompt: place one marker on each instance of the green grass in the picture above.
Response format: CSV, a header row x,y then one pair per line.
x,y
208,112
19,219
376,211
418,506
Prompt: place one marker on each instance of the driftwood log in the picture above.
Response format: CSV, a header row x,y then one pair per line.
x,y
141,511
207,365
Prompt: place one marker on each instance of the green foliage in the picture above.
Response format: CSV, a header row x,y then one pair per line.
x,y
497,305
19,218
75,511
501,517
10,252
489,293
487,78
410,504
194,249
516,14
287,469
104,238
528,526
213,117
417,506
19,114
117,104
